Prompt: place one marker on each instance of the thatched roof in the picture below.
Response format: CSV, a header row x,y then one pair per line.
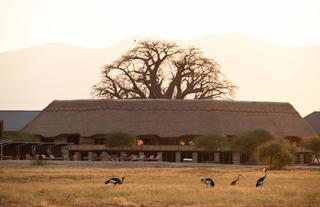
x,y
167,118
313,120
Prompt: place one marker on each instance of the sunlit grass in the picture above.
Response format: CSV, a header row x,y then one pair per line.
x,y
63,186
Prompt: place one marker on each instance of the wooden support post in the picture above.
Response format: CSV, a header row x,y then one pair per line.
x,y
194,156
313,159
90,156
236,158
216,157
301,158
160,156
65,153
1,129
178,156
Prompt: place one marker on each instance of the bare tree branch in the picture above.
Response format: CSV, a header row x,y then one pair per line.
x,y
156,69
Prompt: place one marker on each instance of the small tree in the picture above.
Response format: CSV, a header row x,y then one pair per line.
x,y
20,136
210,141
313,143
247,142
117,139
277,154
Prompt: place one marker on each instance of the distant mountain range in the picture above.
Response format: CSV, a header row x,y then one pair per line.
x,y
31,78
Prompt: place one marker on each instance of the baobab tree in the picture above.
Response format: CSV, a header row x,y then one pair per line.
x,y
163,70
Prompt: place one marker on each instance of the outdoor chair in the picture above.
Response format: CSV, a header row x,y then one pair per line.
x,y
130,157
157,158
93,157
115,158
124,157
134,158
52,157
187,160
150,158
105,157
44,157
141,158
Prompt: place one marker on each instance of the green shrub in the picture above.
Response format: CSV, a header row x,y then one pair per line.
x,y
277,154
20,136
117,139
313,143
210,141
248,141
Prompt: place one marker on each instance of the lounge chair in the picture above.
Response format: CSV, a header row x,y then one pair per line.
x,y
141,158
157,158
44,157
150,158
115,158
187,159
52,157
93,157
125,157
134,158
105,157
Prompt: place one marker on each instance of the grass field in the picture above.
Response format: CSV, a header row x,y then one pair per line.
x,y
78,186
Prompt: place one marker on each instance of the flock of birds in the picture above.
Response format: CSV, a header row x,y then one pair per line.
x,y
207,181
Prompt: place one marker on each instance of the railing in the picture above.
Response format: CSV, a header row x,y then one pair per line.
x,y
101,147
89,147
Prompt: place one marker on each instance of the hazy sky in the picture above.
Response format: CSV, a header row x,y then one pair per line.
x,y
94,23
24,23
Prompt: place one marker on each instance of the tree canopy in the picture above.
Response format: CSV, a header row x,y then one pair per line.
x,y
163,70
313,143
118,139
20,136
248,141
276,154
210,141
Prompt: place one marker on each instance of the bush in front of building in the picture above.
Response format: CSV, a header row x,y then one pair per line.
x,y
313,144
118,139
210,141
20,136
248,141
277,154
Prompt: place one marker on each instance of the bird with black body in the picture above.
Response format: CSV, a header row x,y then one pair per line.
x,y
236,180
115,181
207,181
261,180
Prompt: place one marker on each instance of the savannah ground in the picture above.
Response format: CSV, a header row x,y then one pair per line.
x,y
82,185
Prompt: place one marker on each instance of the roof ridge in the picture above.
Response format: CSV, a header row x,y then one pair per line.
x,y
168,100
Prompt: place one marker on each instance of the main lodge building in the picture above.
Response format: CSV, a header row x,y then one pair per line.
x,y
165,128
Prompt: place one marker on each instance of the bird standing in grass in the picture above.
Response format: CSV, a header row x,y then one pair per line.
x,y
236,180
261,180
115,181
207,181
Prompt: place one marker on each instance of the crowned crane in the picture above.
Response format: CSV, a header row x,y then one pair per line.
x,y
207,181
236,180
115,181
261,180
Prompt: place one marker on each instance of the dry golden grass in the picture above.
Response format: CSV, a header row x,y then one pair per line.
x,y
76,186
